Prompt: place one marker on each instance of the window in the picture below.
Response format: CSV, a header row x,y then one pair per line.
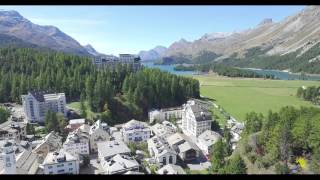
x,y
61,171
164,161
49,167
50,172
70,169
8,164
60,165
70,164
170,160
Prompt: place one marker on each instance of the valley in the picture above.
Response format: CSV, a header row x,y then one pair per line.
x,y
239,96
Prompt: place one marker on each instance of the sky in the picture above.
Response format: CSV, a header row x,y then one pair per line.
x,y
129,29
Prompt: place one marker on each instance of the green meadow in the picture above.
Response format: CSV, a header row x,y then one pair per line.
x,y
239,96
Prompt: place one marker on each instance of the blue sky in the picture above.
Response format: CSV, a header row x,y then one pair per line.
x,y
129,29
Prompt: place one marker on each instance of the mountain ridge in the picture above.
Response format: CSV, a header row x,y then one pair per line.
x,y
297,31
12,23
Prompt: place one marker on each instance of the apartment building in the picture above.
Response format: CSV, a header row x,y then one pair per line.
x,y
37,103
195,119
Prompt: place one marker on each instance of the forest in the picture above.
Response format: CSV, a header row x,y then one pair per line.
x,y
110,90
229,71
290,136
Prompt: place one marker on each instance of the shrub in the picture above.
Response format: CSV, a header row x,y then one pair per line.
x,y
252,158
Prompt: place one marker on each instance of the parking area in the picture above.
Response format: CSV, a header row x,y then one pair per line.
x,y
93,168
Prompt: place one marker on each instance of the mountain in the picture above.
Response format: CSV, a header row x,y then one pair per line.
x,y
91,50
153,54
297,32
12,24
6,41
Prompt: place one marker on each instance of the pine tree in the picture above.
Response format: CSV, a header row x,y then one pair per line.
x,y
235,165
217,156
83,108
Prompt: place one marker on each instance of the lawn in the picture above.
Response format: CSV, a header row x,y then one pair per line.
x,y
76,106
239,96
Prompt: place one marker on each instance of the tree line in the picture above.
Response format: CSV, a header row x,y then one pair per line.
x,y
311,93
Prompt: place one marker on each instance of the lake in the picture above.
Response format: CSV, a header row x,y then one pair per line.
x,y
284,75
168,68
278,74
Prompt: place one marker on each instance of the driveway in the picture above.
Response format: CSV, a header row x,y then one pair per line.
x,y
93,168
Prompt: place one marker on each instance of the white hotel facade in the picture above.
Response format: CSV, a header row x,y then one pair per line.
x,y
195,119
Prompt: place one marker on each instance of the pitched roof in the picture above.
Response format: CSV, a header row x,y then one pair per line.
x,y
176,138
110,148
119,163
160,146
27,162
209,137
134,124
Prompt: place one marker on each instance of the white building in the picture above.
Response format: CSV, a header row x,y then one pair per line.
x,y
60,162
127,58
7,158
195,119
206,140
135,131
77,143
98,133
171,169
37,103
160,150
165,114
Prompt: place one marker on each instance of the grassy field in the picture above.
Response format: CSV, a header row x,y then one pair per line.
x,y
76,106
239,96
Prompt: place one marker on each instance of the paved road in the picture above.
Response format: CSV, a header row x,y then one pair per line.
x,y
93,168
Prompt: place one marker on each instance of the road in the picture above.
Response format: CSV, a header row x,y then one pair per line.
x,y
93,168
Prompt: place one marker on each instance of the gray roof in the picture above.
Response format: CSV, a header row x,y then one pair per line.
x,y
209,137
38,95
186,146
200,113
52,157
183,142
27,162
160,146
120,163
111,148
175,139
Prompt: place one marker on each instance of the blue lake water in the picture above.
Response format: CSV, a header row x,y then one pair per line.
x,y
168,68
285,75
278,74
